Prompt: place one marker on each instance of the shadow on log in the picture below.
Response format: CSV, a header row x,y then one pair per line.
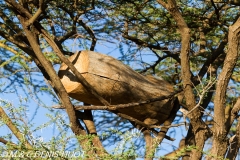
x,y
118,84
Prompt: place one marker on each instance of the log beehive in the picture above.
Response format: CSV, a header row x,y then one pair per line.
x,y
118,84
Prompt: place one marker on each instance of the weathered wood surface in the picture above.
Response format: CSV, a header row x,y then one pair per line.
x,y
118,84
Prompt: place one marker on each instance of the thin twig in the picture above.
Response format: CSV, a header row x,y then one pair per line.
x,y
119,106
172,125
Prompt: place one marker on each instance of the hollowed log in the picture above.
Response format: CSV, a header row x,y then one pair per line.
x,y
118,84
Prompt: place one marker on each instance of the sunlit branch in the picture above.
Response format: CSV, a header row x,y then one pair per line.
x,y
27,59
20,136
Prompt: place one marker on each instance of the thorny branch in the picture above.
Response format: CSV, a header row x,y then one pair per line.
x,y
14,129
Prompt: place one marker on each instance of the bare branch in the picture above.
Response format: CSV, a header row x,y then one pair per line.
x,y
149,145
87,118
19,8
14,40
202,94
10,22
175,56
231,114
236,107
141,42
216,9
175,154
167,124
90,32
215,55
68,34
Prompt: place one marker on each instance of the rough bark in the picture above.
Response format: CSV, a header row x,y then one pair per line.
x,y
149,145
234,143
200,130
53,79
32,29
220,132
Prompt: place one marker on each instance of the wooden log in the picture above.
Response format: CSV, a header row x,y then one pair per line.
x,y
118,84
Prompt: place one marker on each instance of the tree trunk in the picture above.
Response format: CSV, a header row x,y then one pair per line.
x,y
220,128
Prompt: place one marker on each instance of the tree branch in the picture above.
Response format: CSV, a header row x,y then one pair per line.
x,y
142,43
149,151
20,136
175,154
219,136
37,14
168,122
234,143
90,32
87,118
233,114
199,135
14,40
209,61
10,22
54,80
27,59
81,79
120,106
19,8
2,140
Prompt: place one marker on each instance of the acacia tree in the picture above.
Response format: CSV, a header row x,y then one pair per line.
x,y
194,44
